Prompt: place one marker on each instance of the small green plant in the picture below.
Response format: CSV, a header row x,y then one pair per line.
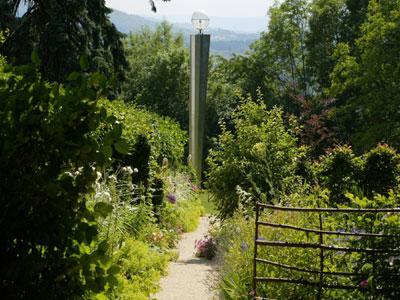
x,y
381,171
141,268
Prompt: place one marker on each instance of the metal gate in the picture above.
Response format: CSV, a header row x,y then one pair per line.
x,y
321,247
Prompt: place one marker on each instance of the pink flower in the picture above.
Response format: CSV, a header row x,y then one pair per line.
x,y
364,283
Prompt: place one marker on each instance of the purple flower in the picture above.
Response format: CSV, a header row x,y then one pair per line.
x,y
364,283
171,198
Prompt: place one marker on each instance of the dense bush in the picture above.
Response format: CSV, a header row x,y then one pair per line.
x,y
48,161
159,72
141,270
150,140
259,155
164,136
381,170
340,171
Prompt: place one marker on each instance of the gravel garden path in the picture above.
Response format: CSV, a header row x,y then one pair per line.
x,y
190,277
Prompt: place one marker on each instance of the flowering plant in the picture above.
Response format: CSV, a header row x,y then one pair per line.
x,y
205,247
171,198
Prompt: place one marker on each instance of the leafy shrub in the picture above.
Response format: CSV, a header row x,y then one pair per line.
x,y
259,155
48,161
144,129
340,172
158,78
381,171
184,215
141,270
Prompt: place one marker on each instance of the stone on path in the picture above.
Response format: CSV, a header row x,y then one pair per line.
x,y
190,277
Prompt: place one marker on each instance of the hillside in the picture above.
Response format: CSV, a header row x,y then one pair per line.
x,y
223,42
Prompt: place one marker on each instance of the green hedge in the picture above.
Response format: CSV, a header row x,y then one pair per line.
x,y
48,162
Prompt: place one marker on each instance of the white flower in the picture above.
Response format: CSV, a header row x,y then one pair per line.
x,y
112,178
98,174
135,170
129,170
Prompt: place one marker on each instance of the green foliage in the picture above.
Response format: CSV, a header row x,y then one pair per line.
x,y
378,267
259,156
286,37
139,236
223,96
367,81
62,33
208,203
159,73
332,63
48,161
141,270
2,59
148,140
326,31
164,136
277,64
182,206
234,238
381,170
340,171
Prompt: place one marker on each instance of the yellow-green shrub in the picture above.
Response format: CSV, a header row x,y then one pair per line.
x,y
184,215
141,269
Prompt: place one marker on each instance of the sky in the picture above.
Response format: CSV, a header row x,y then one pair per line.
x,y
220,8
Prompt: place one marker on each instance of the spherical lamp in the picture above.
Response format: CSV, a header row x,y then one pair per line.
x,y
200,20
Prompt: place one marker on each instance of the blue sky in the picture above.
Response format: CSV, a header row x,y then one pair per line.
x,y
221,8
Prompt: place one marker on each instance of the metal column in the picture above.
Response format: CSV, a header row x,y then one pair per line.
x,y
199,53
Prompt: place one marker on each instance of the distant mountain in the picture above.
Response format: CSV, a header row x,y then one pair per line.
x,y
131,23
236,24
223,42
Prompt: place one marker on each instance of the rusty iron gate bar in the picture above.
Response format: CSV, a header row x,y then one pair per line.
x,y
320,245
